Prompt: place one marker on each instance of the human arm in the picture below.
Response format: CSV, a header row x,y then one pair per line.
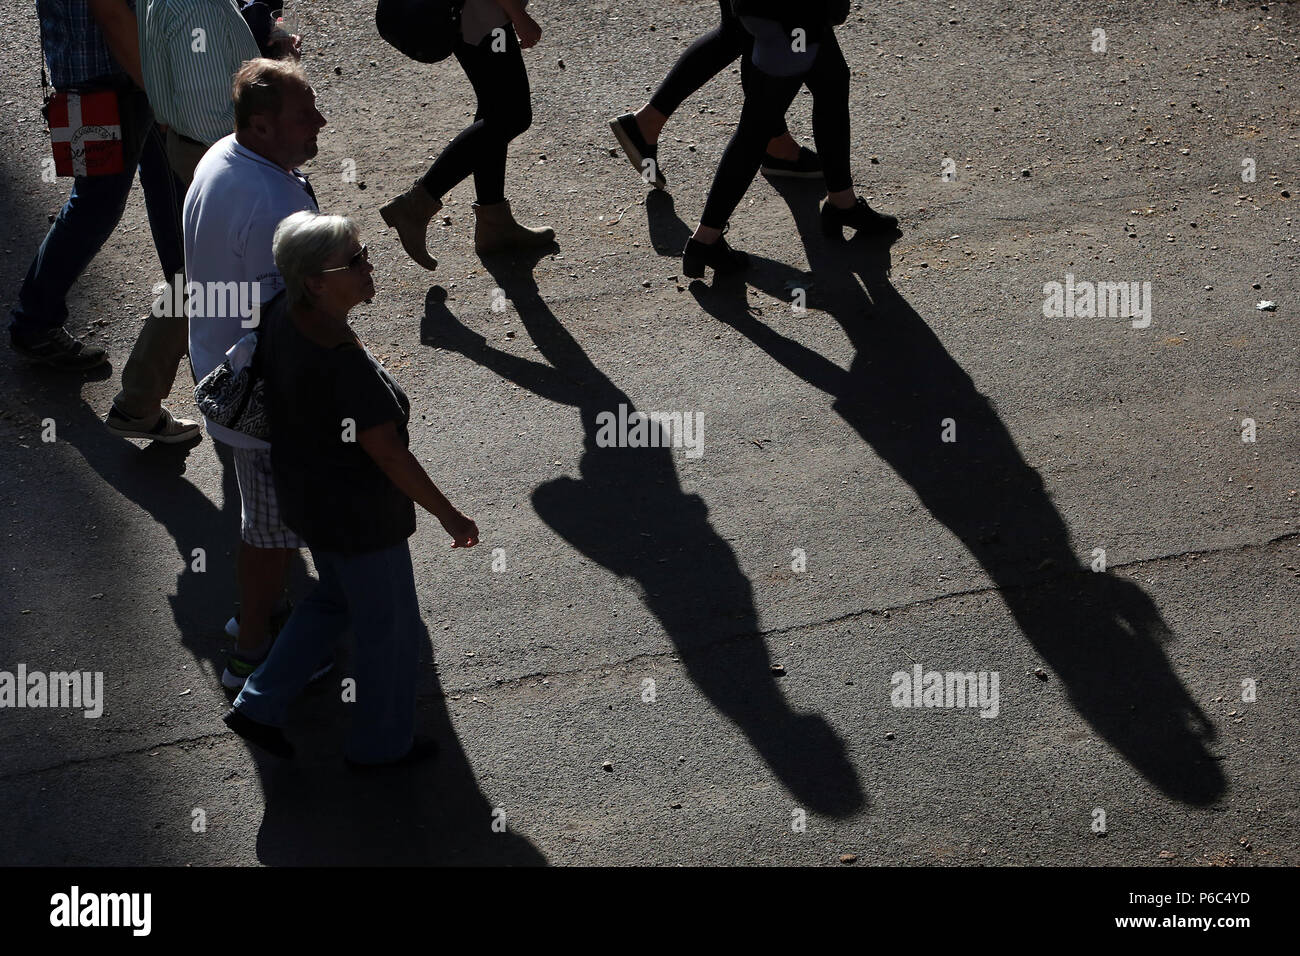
x,y
527,29
389,452
117,22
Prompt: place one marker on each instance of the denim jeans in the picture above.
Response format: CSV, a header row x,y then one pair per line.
x,y
374,593
93,211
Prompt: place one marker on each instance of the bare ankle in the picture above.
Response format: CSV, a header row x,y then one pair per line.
x,y
650,123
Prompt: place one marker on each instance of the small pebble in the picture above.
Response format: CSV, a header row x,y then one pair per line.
x,y
607,765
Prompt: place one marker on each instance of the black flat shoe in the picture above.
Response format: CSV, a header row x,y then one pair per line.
x,y
807,166
271,739
860,217
718,256
637,149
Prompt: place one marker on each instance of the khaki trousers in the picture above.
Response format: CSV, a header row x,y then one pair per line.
x,y
150,371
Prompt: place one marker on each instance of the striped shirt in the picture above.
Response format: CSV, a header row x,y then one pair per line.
x,y
74,45
189,52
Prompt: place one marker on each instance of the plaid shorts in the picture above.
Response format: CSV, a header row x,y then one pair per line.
x,y
259,512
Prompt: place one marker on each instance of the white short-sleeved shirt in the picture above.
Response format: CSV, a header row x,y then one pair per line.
x,y
235,202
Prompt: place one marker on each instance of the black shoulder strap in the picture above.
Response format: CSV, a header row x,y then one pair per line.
x,y
45,81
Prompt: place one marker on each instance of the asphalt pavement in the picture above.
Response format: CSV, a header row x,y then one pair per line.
x,y
905,464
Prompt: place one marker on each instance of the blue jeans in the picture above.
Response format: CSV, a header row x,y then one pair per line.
x,y
374,592
91,214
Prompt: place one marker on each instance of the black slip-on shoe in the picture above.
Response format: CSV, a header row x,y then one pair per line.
x,y
807,166
639,153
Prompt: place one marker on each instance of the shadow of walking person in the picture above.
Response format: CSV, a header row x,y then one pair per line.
x,y
430,814
628,513
316,812
1101,635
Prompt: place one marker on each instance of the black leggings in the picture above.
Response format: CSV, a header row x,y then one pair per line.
x,y
703,60
766,100
500,82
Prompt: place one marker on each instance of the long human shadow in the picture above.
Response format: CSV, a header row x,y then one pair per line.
x,y
1100,635
316,811
628,513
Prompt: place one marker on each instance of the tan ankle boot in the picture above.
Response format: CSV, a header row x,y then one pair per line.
x,y
409,214
497,231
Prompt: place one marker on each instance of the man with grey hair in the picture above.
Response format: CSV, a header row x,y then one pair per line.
x,y
243,187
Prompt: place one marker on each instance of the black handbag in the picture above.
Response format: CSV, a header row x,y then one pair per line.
x,y
424,30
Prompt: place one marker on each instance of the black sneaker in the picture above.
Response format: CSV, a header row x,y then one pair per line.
x,y
57,349
807,166
637,150
271,739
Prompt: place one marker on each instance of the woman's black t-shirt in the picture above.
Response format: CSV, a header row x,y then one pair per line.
x,y
318,400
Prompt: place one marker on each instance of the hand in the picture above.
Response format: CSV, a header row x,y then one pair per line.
x,y
528,31
464,531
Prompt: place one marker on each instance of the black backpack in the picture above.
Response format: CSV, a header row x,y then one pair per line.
x,y
424,30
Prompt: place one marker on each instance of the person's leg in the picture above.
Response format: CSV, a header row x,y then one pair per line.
x,y
261,583
264,549
766,100
704,59
500,81
150,371
307,639
483,143
828,81
87,219
385,611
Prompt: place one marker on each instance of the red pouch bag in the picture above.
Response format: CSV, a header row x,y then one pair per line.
x,y
86,133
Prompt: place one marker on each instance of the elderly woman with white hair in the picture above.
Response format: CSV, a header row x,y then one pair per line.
x,y
348,485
